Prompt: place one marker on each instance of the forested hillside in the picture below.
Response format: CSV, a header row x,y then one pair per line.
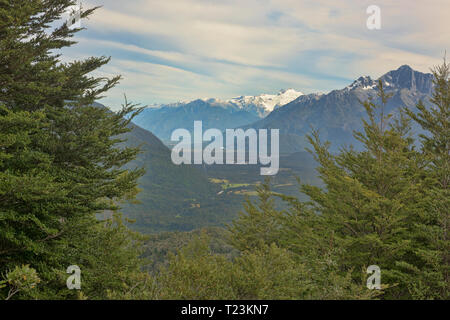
x,y
171,197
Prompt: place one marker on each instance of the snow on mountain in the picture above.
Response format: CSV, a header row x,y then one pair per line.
x,y
404,77
365,83
261,105
215,113
268,101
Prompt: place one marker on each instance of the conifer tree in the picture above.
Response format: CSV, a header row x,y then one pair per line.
x,y
369,196
60,160
257,226
432,224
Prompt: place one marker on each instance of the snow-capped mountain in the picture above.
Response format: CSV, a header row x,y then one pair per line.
x,y
215,113
268,102
364,83
402,78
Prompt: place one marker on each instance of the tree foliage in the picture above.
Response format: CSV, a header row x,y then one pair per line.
x,y
60,160
384,205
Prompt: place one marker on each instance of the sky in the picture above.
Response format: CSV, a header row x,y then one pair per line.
x,y
178,50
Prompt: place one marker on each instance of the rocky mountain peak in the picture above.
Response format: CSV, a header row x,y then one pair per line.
x,y
407,78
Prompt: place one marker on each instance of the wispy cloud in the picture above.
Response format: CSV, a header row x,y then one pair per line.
x,y
183,49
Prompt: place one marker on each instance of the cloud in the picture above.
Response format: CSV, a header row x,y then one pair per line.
x,y
182,49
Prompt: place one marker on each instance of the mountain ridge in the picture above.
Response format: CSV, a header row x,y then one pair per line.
x,y
215,113
337,113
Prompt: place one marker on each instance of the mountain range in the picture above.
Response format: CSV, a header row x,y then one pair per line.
x,y
335,114
162,120
338,113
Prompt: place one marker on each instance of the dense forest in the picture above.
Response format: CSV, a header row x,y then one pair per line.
x,y
63,163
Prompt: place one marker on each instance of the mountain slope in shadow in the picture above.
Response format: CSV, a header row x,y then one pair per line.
x,y
173,197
